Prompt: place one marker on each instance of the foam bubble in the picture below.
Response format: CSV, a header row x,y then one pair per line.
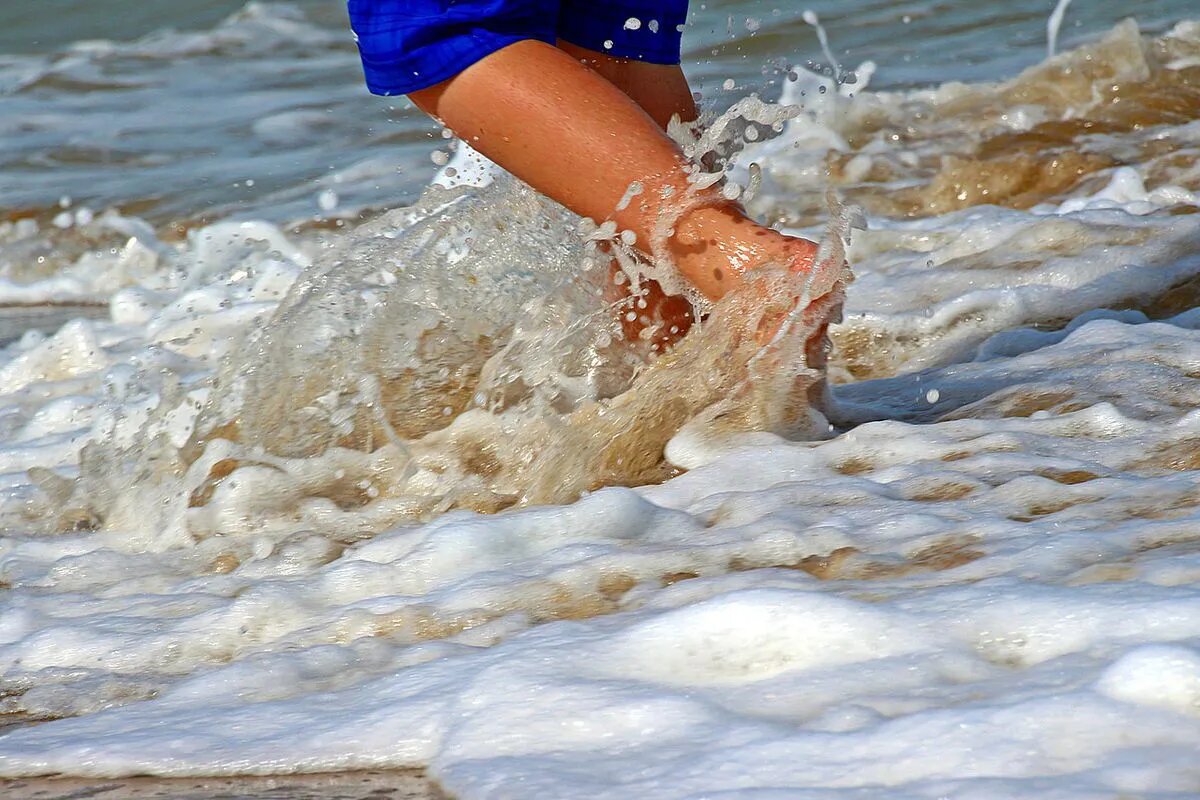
x,y
242,534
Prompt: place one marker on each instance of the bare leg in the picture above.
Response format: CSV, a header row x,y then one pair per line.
x,y
574,136
661,90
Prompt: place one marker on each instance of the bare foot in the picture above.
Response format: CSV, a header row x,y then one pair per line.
x,y
664,319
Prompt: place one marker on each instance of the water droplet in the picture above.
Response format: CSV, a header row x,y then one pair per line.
x,y
327,200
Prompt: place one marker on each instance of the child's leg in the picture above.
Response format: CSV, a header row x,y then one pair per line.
x,y
660,89
577,138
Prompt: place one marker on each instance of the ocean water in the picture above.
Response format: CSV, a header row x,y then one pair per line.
x,y
309,465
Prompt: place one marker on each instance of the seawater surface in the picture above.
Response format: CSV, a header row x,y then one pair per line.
x,y
307,465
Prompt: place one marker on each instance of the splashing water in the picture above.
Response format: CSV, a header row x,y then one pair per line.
x,y
1053,24
987,590
810,17
458,354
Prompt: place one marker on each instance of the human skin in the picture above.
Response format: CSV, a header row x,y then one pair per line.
x,y
661,90
581,128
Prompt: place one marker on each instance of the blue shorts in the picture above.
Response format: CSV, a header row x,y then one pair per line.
x,y
408,45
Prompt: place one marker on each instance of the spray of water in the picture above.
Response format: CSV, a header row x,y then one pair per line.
x,y
1053,24
811,18
464,353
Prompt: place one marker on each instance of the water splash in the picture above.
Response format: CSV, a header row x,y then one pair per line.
x,y
1052,26
462,353
812,19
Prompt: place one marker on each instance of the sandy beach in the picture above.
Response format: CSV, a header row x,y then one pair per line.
x,y
390,785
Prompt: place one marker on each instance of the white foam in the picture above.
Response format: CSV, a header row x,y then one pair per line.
x,y
1158,676
987,591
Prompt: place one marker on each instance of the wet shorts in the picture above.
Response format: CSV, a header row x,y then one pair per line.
x,y
408,45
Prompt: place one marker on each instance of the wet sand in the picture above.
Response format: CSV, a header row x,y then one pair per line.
x,y
376,785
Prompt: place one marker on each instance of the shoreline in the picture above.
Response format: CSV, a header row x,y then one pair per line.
x,y
412,784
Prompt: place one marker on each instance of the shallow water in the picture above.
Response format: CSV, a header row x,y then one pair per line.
x,y
248,516
213,109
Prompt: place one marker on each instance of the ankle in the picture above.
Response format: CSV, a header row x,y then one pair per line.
x,y
715,247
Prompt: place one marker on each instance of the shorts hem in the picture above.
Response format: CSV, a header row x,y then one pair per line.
x,y
635,30
398,78
665,57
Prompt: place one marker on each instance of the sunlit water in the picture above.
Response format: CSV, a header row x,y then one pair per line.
x,y
309,484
